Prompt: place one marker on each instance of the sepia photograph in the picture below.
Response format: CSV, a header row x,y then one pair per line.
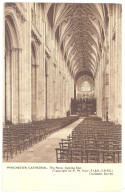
x,y
62,84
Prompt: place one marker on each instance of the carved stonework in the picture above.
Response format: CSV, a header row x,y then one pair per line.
x,y
18,12
34,36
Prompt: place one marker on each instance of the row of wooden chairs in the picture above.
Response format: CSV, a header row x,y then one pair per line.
x,y
98,144
74,155
19,137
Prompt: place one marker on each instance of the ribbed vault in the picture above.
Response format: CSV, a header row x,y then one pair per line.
x,y
78,29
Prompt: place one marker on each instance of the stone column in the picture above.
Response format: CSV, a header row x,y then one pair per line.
x,y
119,64
100,86
54,91
21,86
97,95
63,84
34,92
57,97
42,77
115,65
107,71
74,91
8,87
60,94
50,90
113,72
4,90
64,96
110,64
68,89
40,71
61,100
67,95
46,87
15,85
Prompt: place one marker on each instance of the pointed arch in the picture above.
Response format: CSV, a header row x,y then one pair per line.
x,y
13,25
12,68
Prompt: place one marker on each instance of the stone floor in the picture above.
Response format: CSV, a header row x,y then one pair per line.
x,y
44,151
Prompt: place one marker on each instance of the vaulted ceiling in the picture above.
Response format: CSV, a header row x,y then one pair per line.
x,y
79,29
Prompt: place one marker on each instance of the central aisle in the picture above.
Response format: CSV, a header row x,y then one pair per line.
x,y
44,151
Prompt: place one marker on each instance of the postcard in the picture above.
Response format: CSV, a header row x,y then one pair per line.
x,y
62,96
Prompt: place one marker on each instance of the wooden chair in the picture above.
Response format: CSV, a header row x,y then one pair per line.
x,y
62,155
